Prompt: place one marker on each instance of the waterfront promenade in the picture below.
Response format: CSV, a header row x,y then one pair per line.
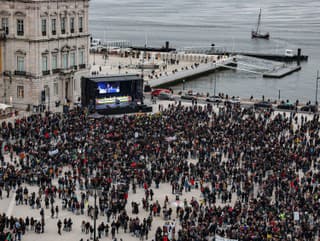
x,y
183,67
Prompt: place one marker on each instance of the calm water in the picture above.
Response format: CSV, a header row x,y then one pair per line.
x,y
188,23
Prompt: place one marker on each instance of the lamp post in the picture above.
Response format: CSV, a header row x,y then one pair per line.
x,y
95,215
317,84
96,183
215,84
47,90
94,57
105,55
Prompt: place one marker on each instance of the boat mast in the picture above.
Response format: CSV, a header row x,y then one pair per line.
x,y
258,24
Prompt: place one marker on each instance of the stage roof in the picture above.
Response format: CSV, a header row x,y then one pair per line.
x,y
112,78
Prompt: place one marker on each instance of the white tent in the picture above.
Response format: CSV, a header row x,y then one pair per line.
x,y
4,106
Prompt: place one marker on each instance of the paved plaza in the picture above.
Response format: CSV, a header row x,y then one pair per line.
x,y
8,205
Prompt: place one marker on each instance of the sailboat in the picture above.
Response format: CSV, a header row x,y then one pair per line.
x,y
256,33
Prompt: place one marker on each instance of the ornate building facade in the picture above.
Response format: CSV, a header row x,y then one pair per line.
x,y
44,50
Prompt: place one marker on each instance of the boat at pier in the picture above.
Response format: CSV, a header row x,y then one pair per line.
x,y
256,33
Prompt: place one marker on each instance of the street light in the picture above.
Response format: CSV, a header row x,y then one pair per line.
x,y
94,56
317,83
215,84
95,216
105,55
96,183
47,91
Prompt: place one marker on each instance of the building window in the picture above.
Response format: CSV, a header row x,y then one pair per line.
x,y
54,61
81,24
20,63
5,25
82,64
20,27
45,69
65,60
72,59
81,57
63,25
44,63
72,25
55,89
44,27
20,92
54,26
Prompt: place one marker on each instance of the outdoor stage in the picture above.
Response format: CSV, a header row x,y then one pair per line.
x,y
115,94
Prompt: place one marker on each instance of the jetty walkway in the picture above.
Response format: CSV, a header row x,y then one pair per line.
x,y
190,73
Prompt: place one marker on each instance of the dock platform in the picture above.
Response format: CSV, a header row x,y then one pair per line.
x,y
274,57
282,72
189,74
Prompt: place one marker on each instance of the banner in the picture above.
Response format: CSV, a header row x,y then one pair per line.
x,y
219,238
171,138
54,152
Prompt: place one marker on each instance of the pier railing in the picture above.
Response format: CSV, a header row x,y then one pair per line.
x,y
117,43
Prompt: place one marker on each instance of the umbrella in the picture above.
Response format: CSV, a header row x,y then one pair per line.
x,y
177,204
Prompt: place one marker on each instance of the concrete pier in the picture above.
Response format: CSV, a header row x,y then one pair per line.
x,y
280,73
188,74
274,57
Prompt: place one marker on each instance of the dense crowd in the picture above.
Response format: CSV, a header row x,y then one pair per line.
x,y
258,173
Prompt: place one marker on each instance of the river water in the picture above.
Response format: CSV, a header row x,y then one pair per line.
x,y
187,23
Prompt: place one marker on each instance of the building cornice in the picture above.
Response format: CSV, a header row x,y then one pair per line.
x,y
48,39
43,1
5,13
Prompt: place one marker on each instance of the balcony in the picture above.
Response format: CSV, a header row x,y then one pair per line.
x,y
56,71
6,30
82,66
66,70
80,30
44,33
20,33
7,73
46,72
63,31
20,73
54,32
2,34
